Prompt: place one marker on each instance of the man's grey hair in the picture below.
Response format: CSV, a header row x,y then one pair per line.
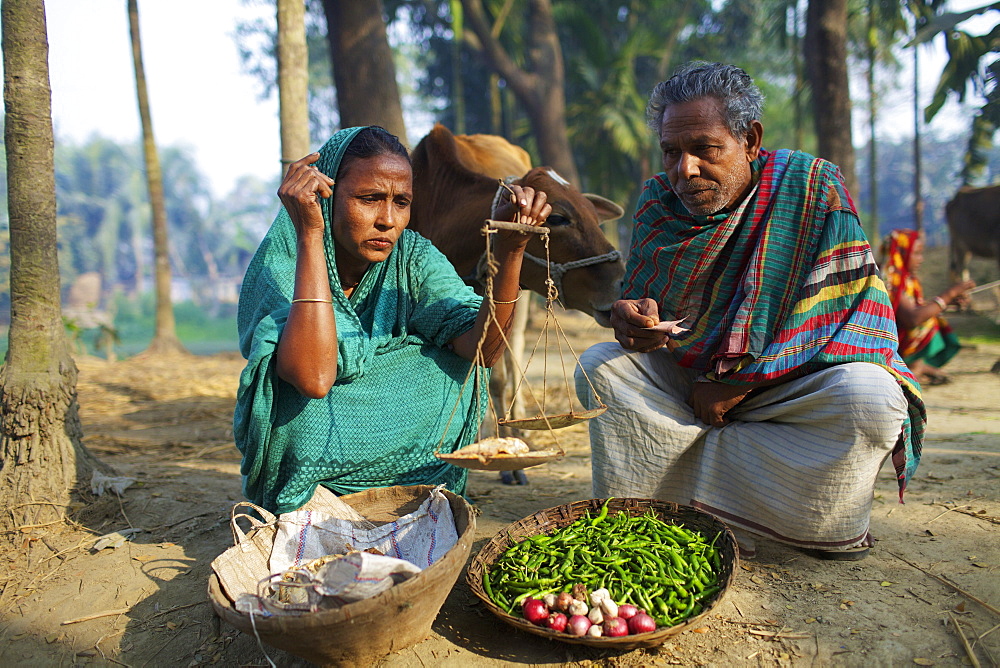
x,y
742,101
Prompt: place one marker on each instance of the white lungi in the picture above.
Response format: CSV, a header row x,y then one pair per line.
x,y
797,463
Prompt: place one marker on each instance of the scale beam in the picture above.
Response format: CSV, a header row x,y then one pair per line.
x,y
475,456
517,227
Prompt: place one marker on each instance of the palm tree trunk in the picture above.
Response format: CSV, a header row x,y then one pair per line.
x,y
457,87
826,64
293,81
165,335
918,176
42,456
871,223
800,83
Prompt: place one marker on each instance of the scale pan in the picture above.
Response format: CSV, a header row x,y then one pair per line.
x,y
500,462
553,421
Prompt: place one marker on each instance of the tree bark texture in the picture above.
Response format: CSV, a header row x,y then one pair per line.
x,y
165,335
918,170
363,70
870,224
41,453
826,64
540,86
293,81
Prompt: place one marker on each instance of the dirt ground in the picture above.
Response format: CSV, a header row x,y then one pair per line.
x,y
167,423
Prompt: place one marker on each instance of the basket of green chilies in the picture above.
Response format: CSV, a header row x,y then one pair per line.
x,y
674,562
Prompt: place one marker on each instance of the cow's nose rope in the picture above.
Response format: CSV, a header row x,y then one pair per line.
x,y
557,271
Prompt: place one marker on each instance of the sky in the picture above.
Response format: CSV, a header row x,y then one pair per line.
x,y
202,99
199,95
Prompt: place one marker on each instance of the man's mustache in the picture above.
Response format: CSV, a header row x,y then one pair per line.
x,y
694,186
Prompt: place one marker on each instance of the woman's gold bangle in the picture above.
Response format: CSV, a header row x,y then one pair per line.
x,y
512,301
306,299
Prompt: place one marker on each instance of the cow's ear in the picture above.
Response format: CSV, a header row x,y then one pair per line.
x,y
606,209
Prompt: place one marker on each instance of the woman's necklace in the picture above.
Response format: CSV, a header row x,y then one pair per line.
x,y
348,287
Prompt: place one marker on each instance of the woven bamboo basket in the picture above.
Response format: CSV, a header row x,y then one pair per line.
x,y
552,519
363,632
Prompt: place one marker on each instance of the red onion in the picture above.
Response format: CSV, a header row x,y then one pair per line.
x,y
627,610
535,611
641,623
578,625
615,627
557,621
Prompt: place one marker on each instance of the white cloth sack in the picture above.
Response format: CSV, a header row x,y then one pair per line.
x,y
421,538
408,545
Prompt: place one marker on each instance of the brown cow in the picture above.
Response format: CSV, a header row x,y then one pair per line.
x,y
491,155
974,225
452,198
455,179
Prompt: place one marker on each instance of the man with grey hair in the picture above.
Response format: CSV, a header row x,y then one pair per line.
x,y
755,374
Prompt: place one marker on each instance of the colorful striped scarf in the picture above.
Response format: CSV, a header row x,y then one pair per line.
x,y
786,283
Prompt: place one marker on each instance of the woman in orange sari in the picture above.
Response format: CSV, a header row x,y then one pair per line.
x,y
926,341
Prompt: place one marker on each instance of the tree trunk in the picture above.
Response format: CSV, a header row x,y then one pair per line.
x,y
918,172
539,87
363,70
457,85
871,224
826,64
136,235
293,81
800,84
165,335
42,456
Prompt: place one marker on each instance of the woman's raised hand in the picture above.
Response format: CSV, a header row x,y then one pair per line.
x,y
300,191
532,206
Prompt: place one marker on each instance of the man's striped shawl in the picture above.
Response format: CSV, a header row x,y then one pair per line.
x,y
787,282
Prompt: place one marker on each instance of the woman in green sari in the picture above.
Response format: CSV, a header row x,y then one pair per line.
x,y
359,334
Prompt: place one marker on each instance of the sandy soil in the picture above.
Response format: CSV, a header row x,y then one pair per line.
x,y
168,424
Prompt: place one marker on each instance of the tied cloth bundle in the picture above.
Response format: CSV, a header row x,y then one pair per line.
x,y
329,555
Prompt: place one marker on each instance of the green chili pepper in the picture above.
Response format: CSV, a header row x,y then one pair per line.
x,y
601,515
664,608
709,591
486,583
690,608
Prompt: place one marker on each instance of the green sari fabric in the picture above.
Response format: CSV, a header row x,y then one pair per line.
x,y
401,393
938,350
